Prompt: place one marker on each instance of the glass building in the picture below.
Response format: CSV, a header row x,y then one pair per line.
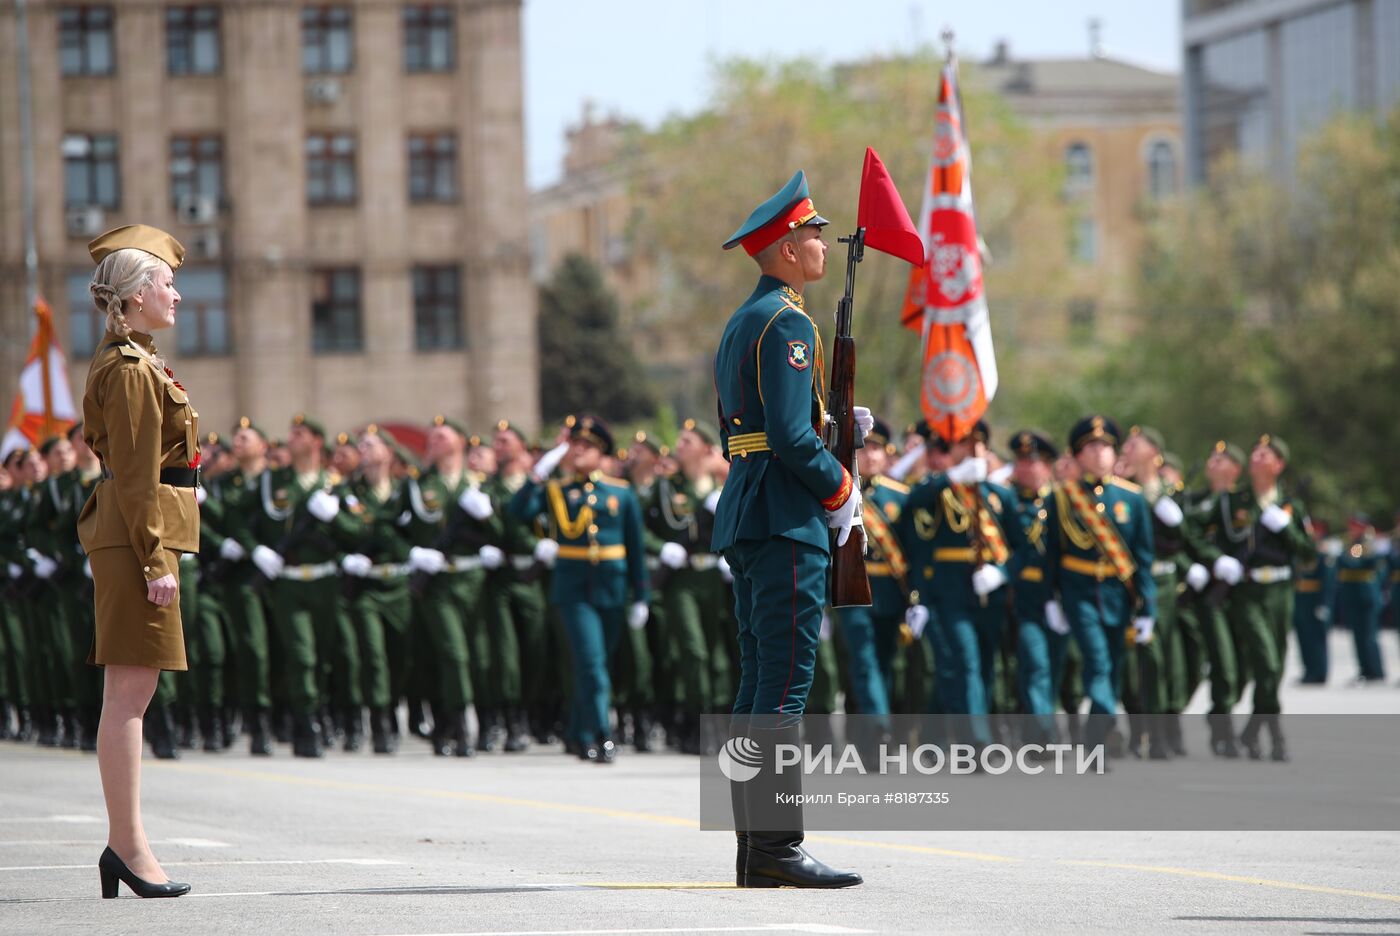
x,y
1263,74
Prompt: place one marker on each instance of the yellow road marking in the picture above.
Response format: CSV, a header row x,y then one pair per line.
x,y
660,885
1235,879
919,849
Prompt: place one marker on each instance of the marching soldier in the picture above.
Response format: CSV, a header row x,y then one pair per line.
x,y
1362,570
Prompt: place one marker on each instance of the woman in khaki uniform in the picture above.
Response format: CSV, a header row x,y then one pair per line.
x,y
140,517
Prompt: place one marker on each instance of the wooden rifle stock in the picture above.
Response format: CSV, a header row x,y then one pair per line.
x,y
850,586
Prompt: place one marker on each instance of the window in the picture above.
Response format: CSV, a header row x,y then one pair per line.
x,y
86,325
437,308
85,45
1161,169
1079,170
90,173
327,40
1082,315
432,167
330,169
428,38
192,40
1085,247
202,325
335,311
196,168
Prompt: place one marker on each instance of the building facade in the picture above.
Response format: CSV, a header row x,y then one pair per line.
x,y
348,180
1262,74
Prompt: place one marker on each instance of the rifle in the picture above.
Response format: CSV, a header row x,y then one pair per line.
x,y
850,586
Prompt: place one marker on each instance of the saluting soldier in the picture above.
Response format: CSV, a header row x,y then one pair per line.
x,y
1361,573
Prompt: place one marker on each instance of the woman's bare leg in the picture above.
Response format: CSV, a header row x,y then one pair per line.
x,y
127,690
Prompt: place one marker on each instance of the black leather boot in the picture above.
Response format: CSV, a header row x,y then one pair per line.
x,y
231,725
462,745
24,729
1172,724
1222,736
517,731
260,736
354,720
382,732
160,732
46,725
641,739
1278,750
72,731
1249,738
211,729
306,737
91,718
5,708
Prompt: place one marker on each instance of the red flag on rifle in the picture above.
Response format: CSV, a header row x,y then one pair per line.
x,y
888,227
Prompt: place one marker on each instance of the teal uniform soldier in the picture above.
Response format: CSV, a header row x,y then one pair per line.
x,y
1362,571
600,577
769,522
1099,554
1314,600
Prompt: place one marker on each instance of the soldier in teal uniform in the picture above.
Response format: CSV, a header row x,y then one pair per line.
x,y
783,492
962,533
1314,597
1099,554
600,581
1362,571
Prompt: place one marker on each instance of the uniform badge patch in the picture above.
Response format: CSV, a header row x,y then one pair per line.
x,y
892,510
798,355
1120,512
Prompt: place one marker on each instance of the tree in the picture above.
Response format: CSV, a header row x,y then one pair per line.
x,y
586,363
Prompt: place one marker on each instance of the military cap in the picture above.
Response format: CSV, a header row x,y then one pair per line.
x,y
474,441
1231,451
622,454
346,438
880,434
980,432
1173,460
505,425
211,439
1151,435
931,439
786,211
1090,428
641,440
454,425
593,430
1279,446
76,428
153,241
700,429
375,429
315,425
1028,443
15,455
1360,518
47,446
245,423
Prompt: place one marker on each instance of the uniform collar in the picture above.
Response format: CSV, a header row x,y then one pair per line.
x,y
771,283
142,340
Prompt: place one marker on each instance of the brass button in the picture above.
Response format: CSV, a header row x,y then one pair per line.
x,y
588,486
1099,507
146,569
593,529
592,499
1098,489
737,420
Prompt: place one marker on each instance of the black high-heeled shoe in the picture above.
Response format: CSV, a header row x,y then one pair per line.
x,y
112,869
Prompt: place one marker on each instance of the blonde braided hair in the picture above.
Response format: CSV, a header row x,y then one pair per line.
x,y
121,275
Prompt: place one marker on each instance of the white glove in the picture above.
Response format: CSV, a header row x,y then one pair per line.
x,y
476,503
1143,627
200,495
987,580
824,631
1003,474
268,562
491,557
1324,613
673,556
356,564
637,615
551,459
845,517
423,559
323,506
1382,547
865,421
1055,618
87,567
725,572
546,551
44,567
712,501
1197,577
906,461
232,550
14,570
1168,511
968,471
916,616
1275,518
1228,569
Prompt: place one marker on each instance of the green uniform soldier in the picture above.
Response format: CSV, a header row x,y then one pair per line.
x,y
600,558
21,689
206,642
1314,599
1362,570
783,492
1252,538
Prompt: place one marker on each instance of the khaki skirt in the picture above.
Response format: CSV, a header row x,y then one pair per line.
x,y
130,630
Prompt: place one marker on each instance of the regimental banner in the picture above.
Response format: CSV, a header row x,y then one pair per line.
x,y
945,301
44,406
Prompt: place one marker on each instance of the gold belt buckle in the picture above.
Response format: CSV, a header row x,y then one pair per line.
x,y
593,553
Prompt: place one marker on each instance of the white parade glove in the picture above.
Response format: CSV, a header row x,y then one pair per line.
x,y
546,551
824,631
725,572
968,471
906,461
1002,475
1228,569
551,459
476,503
987,580
491,557
1197,577
44,567
865,421
1055,618
637,615
712,501
1168,511
1143,627
268,562
673,556
323,506
232,550
1275,518
14,570
423,559
87,567
1382,547
356,564
845,517
1324,613
916,616
200,495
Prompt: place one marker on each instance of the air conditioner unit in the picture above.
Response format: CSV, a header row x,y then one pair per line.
x,y
197,209
323,90
84,220
206,245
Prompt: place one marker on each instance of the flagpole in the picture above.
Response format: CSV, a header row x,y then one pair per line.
x,y
26,146
45,344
